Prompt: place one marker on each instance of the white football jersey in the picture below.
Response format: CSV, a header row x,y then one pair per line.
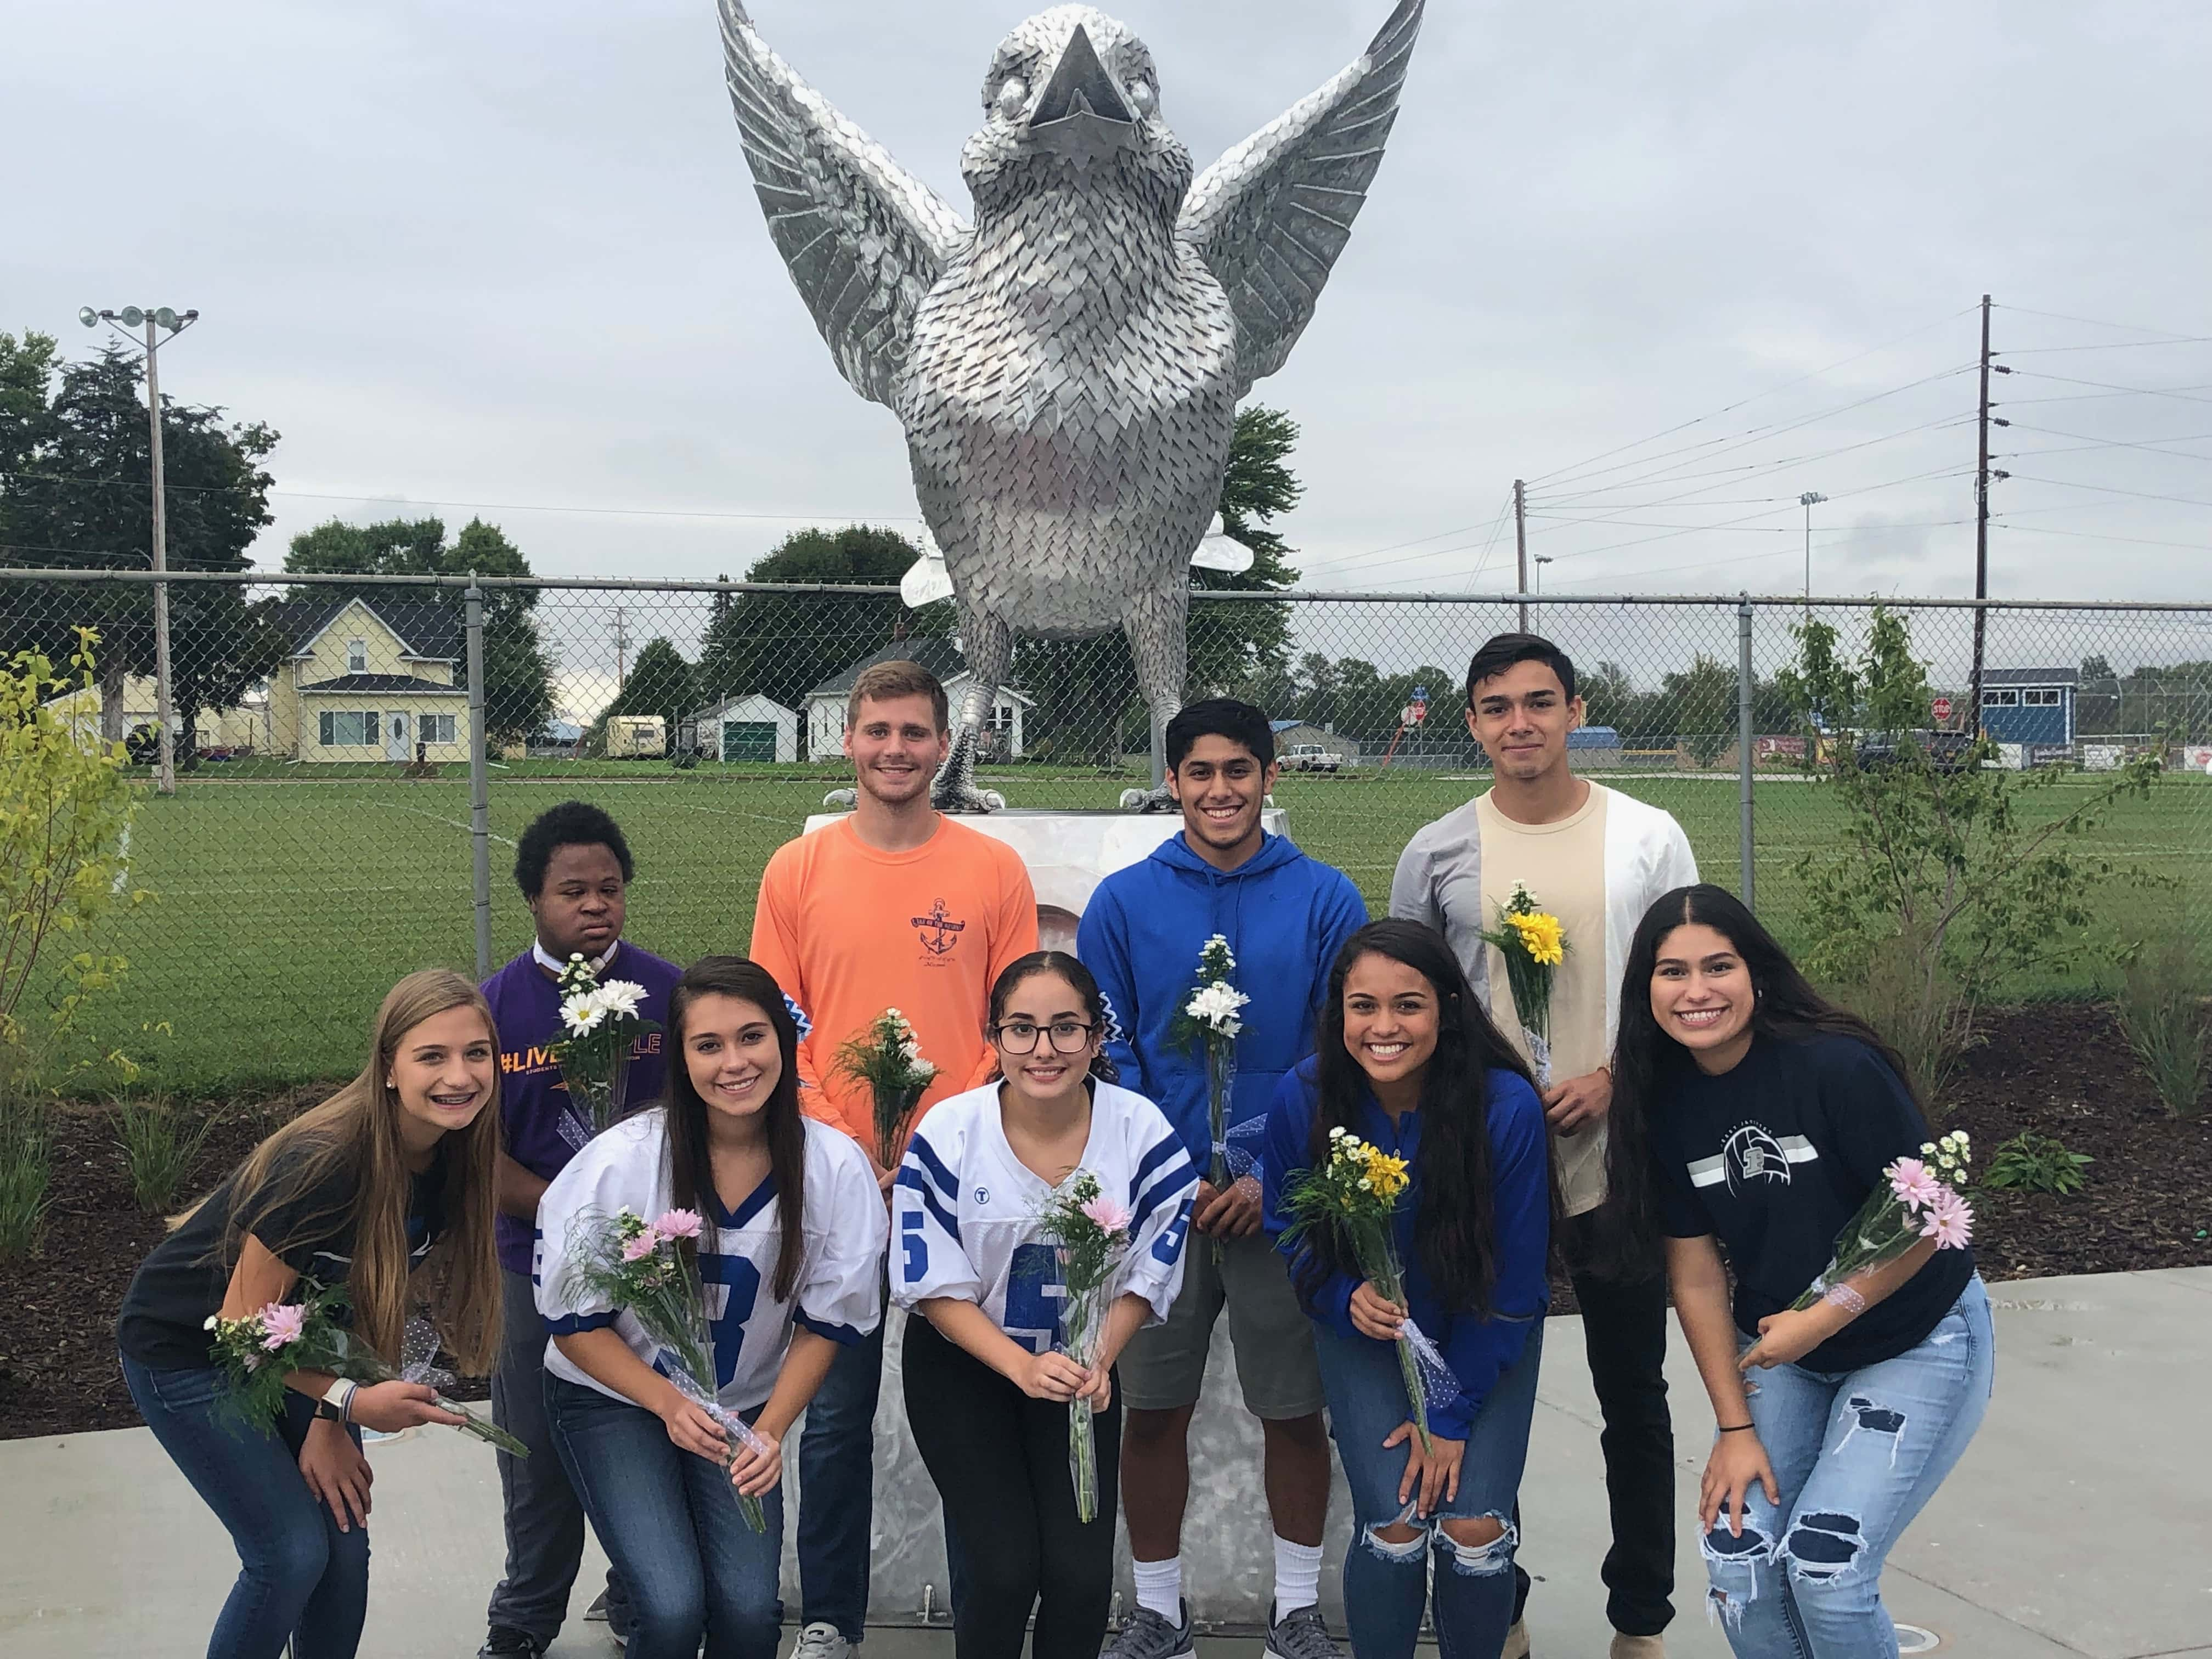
x,y
839,1293
964,1209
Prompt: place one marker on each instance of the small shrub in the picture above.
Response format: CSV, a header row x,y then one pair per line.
x,y
23,1174
1910,998
160,1147
2031,1163
2165,1017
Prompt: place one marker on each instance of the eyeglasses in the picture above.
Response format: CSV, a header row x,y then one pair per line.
x,y
1069,1036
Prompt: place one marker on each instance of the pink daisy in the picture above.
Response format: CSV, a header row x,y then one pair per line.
x,y
1914,1183
679,1224
637,1249
283,1323
1108,1216
1950,1221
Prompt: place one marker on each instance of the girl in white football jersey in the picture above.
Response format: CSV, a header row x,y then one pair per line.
x,y
986,1392
791,1257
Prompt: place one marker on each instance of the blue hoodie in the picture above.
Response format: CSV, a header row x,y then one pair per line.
x,y
1477,1350
1284,915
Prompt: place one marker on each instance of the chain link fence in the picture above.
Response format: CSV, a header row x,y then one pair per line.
x,y
355,757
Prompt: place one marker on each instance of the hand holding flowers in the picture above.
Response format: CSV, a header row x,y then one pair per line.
x,y
1092,1232
1533,943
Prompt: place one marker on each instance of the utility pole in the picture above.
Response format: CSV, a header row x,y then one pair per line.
x,y
1808,501
622,648
1542,559
1982,475
165,769
1521,546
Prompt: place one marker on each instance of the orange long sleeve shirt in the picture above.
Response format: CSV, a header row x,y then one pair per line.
x,y
849,932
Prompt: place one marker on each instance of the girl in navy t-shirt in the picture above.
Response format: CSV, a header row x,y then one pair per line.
x,y
1751,1119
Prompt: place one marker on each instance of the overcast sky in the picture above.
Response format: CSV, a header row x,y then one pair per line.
x,y
507,259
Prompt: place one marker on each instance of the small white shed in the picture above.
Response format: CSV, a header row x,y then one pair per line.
x,y
749,728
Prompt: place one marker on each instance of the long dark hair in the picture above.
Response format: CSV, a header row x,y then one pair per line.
x,y
689,1164
1086,987
1455,1229
1786,1007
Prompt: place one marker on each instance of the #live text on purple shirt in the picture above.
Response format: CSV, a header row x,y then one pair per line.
x,y
537,1128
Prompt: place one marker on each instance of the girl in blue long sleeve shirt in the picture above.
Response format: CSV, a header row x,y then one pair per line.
x,y
1407,1060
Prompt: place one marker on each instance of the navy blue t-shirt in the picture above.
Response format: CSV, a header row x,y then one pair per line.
x,y
1774,1158
540,1130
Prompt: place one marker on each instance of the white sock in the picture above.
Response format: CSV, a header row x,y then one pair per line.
x,y
1297,1576
1159,1587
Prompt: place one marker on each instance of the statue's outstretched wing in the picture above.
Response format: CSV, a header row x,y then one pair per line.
x,y
865,240
1270,217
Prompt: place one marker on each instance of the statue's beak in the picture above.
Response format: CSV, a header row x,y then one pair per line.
x,y
1081,112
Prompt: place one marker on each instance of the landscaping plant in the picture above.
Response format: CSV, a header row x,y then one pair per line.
x,y
2031,1163
161,1148
2167,1020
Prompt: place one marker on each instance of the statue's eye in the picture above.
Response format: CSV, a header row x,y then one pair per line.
x,y
1141,93
1013,93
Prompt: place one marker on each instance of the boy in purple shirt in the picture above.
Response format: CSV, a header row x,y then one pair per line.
x,y
573,868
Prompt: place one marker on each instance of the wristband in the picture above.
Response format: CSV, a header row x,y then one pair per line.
x,y
1843,1296
1739,1428
336,1403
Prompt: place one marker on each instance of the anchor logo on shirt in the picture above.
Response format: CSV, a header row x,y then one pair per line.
x,y
939,933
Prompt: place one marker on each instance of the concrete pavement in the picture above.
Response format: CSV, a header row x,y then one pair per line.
x,y
2079,1523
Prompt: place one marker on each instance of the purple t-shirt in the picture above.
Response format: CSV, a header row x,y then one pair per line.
x,y
540,1132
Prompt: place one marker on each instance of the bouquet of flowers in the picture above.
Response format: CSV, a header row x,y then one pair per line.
x,y
1355,1195
638,1266
257,1352
1092,1233
603,1023
885,1059
1534,945
1918,1197
1213,1017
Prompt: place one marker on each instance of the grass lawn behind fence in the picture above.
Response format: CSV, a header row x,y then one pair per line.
x,y
287,906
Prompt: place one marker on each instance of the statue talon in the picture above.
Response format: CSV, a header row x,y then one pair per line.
x,y
841,800
1149,800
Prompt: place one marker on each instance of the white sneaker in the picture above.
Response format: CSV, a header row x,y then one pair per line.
x,y
820,1640
1517,1641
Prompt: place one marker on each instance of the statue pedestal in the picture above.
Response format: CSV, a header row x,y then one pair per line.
x,y
1069,853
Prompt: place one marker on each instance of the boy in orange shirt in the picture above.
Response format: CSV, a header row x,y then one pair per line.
x,y
895,907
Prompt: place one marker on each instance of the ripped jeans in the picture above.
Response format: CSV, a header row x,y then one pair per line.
x,y
1386,1584
1856,1455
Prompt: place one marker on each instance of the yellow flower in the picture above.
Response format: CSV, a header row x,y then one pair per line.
x,y
1541,936
1385,1175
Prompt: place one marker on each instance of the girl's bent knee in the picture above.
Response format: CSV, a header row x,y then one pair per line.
x,y
1477,1545
1398,1540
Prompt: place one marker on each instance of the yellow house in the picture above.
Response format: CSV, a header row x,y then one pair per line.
x,y
243,729
369,680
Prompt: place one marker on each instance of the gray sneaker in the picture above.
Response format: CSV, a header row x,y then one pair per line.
x,y
820,1640
1301,1634
1145,1635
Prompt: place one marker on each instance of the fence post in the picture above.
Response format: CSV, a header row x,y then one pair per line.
x,y
479,784
1743,697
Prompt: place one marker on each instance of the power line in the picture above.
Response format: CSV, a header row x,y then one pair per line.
x,y
2152,446
2093,322
2113,489
2099,535
2138,391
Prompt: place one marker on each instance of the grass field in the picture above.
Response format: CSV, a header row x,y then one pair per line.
x,y
288,906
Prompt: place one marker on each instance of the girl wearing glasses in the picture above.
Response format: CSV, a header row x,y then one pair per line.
x,y
986,1392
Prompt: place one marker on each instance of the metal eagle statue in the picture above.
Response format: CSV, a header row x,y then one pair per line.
x,y
1067,369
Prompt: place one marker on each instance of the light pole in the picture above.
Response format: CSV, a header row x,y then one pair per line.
x,y
1542,559
1808,501
154,320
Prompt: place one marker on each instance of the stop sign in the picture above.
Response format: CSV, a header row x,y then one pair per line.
x,y
1942,708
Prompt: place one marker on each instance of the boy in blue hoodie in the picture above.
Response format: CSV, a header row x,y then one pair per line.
x,y
1284,916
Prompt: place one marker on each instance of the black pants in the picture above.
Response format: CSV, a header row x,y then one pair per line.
x,y
1624,1334
1000,1460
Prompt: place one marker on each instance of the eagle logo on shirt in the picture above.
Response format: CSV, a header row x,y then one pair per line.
x,y
939,933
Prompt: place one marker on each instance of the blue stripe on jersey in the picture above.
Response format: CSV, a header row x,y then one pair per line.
x,y
844,1334
943,1176
755,1202
574,1324
1172,1180
910,1178
1165,1148
537,1239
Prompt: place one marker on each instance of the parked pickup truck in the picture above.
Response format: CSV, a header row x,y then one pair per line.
x,y
1941,751
1310,757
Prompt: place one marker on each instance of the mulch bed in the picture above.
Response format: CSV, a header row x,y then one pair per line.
x,y
2058,1070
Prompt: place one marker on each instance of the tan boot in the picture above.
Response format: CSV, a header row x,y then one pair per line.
x,y
1517,1641
1637,1647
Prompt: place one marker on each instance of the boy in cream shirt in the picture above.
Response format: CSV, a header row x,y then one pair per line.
x,y
1597,860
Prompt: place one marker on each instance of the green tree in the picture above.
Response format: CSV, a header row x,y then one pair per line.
x,y
783,645
518,672
76,495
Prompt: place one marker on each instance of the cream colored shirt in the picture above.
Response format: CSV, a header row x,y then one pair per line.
x,y
1563,866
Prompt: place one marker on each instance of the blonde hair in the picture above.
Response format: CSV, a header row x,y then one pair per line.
x,y
884,681
356,1130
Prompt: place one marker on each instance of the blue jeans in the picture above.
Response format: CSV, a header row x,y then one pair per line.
x,y
299,1579
672,1526
1856,1455
1386,1584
